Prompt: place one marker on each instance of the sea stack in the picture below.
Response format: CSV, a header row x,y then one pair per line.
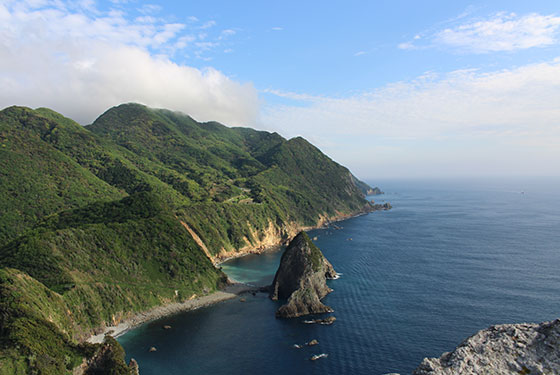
x,y
301,279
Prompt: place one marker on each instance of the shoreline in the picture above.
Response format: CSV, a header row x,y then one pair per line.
x,y
267,249
229,292
323,224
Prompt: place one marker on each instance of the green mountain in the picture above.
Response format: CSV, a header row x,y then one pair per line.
x,y
101,222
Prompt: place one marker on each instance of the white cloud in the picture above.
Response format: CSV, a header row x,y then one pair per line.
x,y
208,24
184,41
512,102
500,32
406,45
513,110
293,95
360,53
503,32
277,28
226,34
80,63
205,46
149,9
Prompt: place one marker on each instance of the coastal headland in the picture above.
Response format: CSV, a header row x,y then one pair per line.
x,y
107,223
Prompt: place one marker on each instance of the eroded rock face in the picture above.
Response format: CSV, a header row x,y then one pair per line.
x,y
301,278
500,350
108,359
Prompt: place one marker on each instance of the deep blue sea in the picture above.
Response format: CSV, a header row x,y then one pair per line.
x,y
450,258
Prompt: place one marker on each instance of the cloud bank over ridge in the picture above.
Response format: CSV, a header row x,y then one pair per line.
x,y
80,61
486,102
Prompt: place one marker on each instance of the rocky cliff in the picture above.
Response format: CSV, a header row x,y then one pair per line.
x,y
502,349
301,279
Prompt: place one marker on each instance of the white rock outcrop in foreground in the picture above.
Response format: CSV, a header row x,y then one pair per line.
x,y
502,349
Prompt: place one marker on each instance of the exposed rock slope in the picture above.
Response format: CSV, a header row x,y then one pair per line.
x,y
502,349
301,278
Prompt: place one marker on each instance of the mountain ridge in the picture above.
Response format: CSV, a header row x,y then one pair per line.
x,y
98,218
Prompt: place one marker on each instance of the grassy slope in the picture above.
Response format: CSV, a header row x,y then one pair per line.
x,y
280,181
36,179
93,265
92,229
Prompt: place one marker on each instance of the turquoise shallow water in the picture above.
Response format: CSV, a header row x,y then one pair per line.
x,y
254,269
449,259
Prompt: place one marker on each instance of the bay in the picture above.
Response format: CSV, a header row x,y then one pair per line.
x,y
451,258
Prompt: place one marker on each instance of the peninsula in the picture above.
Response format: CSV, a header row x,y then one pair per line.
x,y
102,223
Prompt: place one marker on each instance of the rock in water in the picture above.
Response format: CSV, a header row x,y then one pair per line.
x,y
133,366
500,350
312,342
301,278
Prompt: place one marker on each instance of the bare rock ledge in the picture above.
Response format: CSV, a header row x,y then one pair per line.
x,y
502,349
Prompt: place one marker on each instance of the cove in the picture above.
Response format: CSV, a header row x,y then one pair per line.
x,y
448,260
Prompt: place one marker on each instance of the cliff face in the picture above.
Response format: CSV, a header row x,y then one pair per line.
x,y
502,349
301,278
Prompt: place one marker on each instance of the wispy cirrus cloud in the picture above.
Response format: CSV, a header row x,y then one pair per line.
x,y
499,32
149,9
80,60
208,24
509,101
515,110
503,32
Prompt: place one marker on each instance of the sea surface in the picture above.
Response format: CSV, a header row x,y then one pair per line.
x,y
450,258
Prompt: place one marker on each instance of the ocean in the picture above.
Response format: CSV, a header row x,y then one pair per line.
x,y
450,258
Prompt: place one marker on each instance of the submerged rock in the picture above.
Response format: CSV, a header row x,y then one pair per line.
x,y
319,356
327,321
500,350
301,279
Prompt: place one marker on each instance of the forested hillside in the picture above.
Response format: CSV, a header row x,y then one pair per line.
x,y
96,222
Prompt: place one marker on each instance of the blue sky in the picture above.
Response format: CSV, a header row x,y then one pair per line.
x,y
339,47
388,88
